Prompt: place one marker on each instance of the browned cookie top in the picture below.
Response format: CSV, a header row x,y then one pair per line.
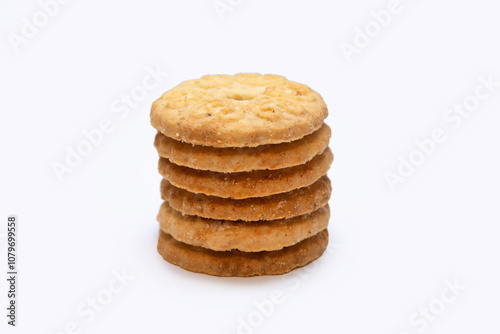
x,y
242,110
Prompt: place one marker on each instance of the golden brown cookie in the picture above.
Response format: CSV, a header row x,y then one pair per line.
x,y
241,264
246,184
222,235
242,110
285,205
243,159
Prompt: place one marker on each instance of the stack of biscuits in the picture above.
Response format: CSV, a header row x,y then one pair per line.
x,y
244,161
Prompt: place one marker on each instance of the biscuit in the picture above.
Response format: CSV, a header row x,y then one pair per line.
x,y
243,159
243,110
246,184
285,205
241,264
223,235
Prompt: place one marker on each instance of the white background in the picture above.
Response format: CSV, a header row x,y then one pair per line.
x,y
393,249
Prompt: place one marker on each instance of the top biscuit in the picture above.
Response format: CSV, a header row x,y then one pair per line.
x,y
243,110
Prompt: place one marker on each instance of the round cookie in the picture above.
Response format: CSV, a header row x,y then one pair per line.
x,y
246,184
243,159
242,110
241,264
285,205
225,235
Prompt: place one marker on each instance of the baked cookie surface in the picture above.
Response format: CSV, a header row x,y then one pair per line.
x,y
285,205
246,184
242,159
225,235
242,110
241,264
